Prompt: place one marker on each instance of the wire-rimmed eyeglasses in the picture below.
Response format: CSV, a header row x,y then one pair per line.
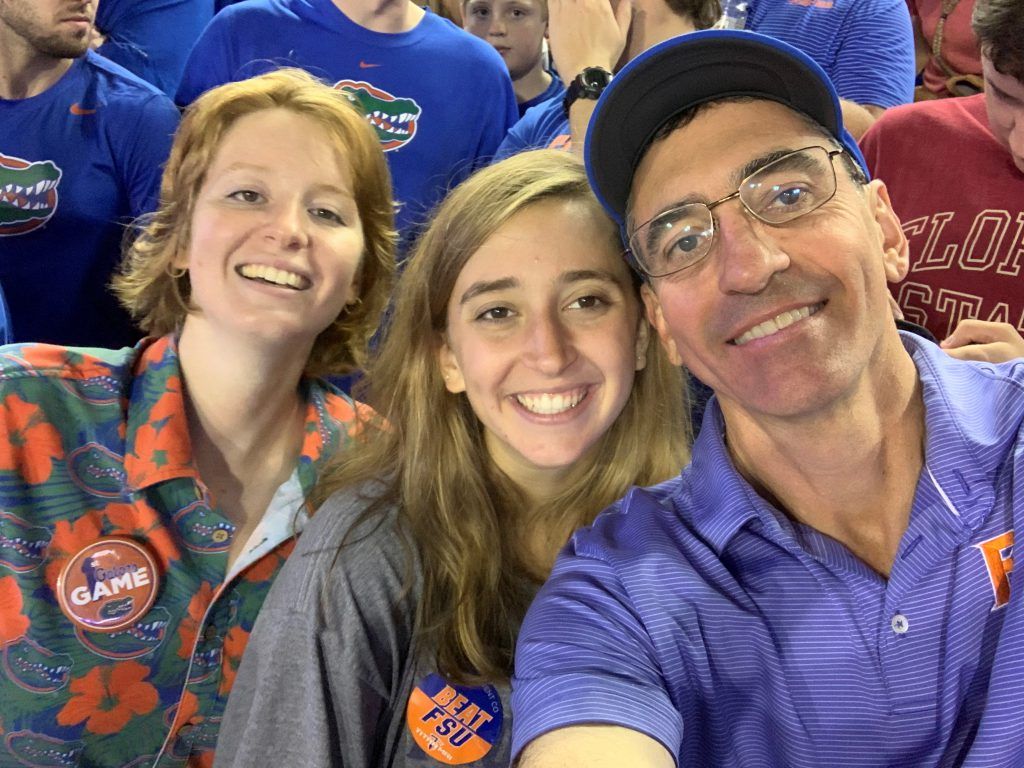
x,y
785,189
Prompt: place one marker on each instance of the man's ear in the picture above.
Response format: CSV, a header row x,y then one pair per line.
x,y
657,319
895,248
450,370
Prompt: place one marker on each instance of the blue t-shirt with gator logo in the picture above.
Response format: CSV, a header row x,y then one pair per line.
x,y
440,99
77,163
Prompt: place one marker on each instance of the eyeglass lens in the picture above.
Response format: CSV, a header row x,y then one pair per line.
x,y
789,187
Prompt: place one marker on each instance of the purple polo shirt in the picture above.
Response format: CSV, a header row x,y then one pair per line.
x,y
698,614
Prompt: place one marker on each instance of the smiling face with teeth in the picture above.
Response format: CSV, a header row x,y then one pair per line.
x,y
544,336
779,320
276,240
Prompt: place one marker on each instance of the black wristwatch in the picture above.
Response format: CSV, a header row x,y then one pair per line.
x,y
588,84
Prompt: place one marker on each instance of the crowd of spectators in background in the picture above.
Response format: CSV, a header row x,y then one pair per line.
x,y
100,103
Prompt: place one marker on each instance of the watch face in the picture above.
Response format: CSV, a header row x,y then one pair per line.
x,y
595,78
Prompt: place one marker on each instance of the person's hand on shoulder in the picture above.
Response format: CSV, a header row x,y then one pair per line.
x,y
985,341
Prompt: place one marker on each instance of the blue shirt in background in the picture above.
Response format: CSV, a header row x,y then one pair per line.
x,y
555,90
78,163
152,38
865,46
5,320
542,127
440,99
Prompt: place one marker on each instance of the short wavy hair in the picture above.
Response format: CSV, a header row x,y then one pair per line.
x,y
999,27
703,13
159,301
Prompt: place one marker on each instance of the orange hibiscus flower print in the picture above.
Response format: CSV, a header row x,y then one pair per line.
x,y
141,522
234,646
185,711
162,447
43,356
267,566
108,697
69,538
13,624
32,442
188,630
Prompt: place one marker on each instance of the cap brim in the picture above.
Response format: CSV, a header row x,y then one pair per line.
x,y
689,70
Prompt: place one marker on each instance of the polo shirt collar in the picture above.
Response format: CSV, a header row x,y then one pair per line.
x,y
967,430
966,440
157,442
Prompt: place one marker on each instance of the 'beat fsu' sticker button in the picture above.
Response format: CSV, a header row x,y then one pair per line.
x,y
451,723
109,585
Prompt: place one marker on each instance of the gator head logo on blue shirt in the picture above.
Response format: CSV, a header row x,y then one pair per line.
x,y
393,118
28,194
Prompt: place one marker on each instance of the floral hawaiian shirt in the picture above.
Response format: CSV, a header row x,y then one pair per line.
x,y
94,443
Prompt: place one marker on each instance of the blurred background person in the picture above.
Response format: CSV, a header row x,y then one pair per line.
x,y
954,169
866,47
946,52
152,38
589,40
82,142
517,29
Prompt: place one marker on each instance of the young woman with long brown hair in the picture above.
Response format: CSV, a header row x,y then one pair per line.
x,y
522,396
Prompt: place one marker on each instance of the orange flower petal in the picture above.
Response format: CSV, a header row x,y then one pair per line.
x,y
189,627
32,443
13,624
109,721
141,698
76,710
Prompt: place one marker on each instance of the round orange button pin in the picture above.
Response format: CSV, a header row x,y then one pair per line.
x,y
108,585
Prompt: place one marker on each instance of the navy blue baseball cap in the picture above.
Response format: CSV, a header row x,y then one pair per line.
x,y
692,69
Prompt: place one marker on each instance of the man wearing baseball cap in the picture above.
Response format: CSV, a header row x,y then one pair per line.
x,y
829,583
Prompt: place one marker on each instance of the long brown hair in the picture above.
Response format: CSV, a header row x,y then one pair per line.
x,y
456,508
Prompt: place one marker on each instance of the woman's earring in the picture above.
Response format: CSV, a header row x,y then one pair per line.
x,y
176,273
